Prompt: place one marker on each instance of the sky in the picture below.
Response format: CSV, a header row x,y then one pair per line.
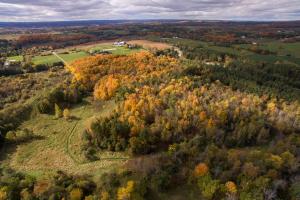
x,y
61,10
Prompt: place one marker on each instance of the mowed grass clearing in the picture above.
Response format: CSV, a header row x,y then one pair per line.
x,y
50,59
114,49
282,48
60,148
287,52
16,58
80,52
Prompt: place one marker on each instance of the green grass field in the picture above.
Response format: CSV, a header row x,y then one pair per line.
x,y
282,48
287,52
114,50
50,59
80,53
16,58
59,146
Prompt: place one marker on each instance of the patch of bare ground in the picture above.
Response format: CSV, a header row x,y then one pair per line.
x,y
149,44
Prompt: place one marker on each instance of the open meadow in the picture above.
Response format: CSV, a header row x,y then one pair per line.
x,y
58,144
71,54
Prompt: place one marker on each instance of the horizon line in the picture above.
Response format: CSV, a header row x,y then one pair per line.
x,y
198,20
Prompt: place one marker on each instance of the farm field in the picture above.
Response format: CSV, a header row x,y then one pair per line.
x,y
71,54
283,49
9,36
114,50
50,59
16,58
150,44
287,52
81,52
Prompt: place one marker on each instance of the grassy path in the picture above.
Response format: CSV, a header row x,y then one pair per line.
x,y
71,135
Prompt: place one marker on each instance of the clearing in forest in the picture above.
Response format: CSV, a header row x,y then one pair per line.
x,y
59,144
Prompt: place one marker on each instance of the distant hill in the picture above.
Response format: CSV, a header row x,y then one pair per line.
x,y
72,23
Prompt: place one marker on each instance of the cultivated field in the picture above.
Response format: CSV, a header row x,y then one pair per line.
x,y
285,52
150,45
71,54
50,59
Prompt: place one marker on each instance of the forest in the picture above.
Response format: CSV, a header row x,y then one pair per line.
x,y
212,117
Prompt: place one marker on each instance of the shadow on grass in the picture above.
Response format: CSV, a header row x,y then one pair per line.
x,y
74,118
10,146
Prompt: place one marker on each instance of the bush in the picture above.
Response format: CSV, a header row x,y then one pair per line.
x,y
40,67
58,64
58,111
66,114
208,186
12,117
138,146
76,194
11,135
59,96
45,106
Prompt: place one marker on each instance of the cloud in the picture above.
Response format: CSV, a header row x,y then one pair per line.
x,y
52,10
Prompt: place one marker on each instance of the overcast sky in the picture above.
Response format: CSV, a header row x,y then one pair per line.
x,y
57,10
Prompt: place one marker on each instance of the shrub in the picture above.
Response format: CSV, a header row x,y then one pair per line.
x,y
76,194
25,194
104,195
58,111
40,67
161,180
11,135
208,186
58,64
3,193
66,114
45,106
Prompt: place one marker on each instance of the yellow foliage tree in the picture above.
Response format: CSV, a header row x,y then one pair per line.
x,y
124,193
211,123
271,107
104,195
203,116
106,88
231,187
3,193
90,197
76,194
